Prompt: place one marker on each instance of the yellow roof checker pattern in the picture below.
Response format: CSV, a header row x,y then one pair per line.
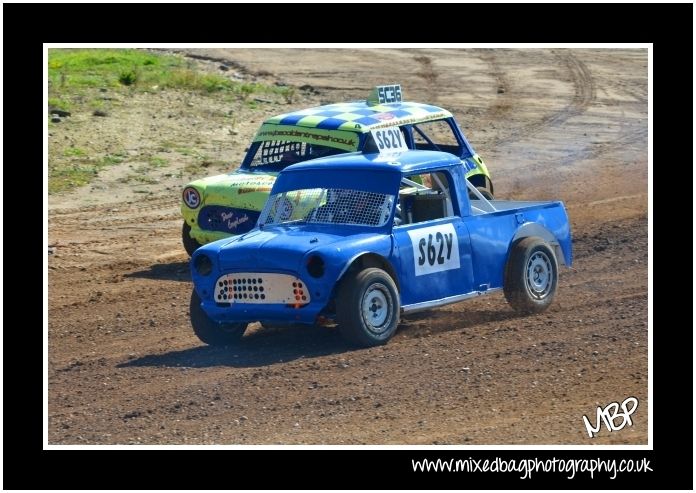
x,y
359,116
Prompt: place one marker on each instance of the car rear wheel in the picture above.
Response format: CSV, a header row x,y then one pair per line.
x,y
484,191
190,245
209,331
483,184
368,308
531,276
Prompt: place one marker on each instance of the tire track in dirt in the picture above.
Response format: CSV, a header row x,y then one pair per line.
x,y
160,201
584,94
96,236
623,139
585,90
583,103
503,103
99,216
108,222
429,75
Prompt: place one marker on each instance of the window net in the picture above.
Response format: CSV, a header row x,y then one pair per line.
x,y
328,206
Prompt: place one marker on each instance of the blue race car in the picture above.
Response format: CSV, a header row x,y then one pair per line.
x,y
362,238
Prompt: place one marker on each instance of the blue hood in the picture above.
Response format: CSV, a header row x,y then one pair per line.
x,y
275,248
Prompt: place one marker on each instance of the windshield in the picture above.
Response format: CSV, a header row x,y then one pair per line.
x,y
328,206
276,155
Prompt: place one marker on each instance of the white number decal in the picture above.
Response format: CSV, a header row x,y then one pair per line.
x,y
389,140
434,249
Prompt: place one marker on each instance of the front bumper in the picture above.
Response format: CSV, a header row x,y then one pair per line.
x,y
271,313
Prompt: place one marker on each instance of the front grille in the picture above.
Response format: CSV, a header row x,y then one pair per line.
x,y
253,287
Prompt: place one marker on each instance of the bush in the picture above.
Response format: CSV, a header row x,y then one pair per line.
x,y
128,77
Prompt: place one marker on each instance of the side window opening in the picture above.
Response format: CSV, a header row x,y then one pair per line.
x,y
279,153
436,135
275,155
425,197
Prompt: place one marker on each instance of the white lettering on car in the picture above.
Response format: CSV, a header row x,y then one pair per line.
x,y
435,249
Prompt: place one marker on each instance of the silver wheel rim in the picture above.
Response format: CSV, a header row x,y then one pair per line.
x,y
376,308
539,275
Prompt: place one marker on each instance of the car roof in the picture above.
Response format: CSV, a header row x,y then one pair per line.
x,y
407,163
360,116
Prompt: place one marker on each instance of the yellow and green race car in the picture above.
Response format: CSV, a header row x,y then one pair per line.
x,y
220,206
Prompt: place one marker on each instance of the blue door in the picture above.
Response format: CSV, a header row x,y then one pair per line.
x,y
435,260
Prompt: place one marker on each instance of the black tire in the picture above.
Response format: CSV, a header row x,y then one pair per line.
x,y
189,243
370,290
531,276
485,192
209,331
483,184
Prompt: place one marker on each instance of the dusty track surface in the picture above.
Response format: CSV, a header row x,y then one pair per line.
x,y
125,367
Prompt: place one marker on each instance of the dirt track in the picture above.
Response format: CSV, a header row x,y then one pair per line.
x,y
125,367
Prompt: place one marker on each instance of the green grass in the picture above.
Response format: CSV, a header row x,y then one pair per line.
x,y
79,169
157,162
70,69
81,68
194,153
196,168
167,146
59,103
96,104
76,174
73,151
138,179
78,68
186,151
110,159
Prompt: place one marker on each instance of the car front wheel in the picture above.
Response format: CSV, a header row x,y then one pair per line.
x,y
209,331
368,308
190,245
